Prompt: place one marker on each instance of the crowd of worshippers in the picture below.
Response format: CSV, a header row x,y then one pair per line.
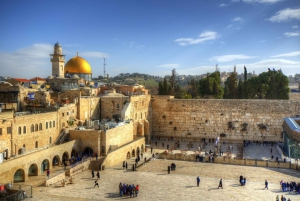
x,y
75,160
128,190
290,187
242,180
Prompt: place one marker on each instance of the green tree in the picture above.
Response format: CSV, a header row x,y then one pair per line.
x,y
231,86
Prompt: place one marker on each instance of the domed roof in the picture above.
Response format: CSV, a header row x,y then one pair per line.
x,y
75,76
57,44
50,77
78,65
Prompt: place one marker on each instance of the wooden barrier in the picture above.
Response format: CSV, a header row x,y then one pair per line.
x,y
250,162
273,164
285,165
261,163
239,161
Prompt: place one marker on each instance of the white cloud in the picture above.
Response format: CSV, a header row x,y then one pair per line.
x,y
94,54
237,19
168,66
204,36
29,61
290,54
229,25
226,58
261,1
295,27
223,5
286,15
291,34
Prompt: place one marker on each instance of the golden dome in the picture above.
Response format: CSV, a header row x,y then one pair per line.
x,y
78,65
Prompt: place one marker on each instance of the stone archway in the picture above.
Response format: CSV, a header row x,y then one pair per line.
x,y
74,153
133,153
65,156
33,170
138,152
128,155
45,165
142,148
55,161
88,151
19,176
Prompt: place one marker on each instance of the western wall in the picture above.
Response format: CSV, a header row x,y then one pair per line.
x,y
229,119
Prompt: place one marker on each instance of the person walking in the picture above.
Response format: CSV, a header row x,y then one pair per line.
x,y
123,165
266,184
48,173
169,169
126,165
198,181
220,184
151,150
93,174
137,188
98,175
96,183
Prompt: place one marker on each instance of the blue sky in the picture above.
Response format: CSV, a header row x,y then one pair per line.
x,y
151,37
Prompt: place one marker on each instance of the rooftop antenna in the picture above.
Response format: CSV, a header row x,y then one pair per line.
x,y
104,64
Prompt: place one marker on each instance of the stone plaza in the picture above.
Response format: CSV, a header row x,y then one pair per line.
x,y
156,184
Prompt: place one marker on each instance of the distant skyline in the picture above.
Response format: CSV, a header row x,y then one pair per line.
x,y
151,37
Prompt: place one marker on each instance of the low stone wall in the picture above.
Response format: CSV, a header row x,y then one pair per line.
x,y
78,168
119,155
232,161
58,178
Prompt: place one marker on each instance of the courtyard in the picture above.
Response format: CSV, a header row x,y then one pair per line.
x,y
156,184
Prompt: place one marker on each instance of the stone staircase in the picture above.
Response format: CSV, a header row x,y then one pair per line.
x,y
96,164
63,137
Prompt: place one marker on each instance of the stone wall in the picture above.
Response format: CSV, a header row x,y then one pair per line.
x,y
112,104
119,155
9,168
78,168
141,114
88,108
87,138
45,131
235,119
118,136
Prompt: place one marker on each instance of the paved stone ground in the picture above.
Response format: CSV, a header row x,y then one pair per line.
x,y
156,184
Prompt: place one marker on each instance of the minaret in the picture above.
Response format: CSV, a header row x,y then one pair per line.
x,y
58,61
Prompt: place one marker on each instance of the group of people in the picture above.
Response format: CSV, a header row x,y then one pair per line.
x,y
282,198
171,167
128,190
289,187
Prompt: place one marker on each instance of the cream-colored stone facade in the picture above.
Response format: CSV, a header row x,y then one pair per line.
x,y
230,119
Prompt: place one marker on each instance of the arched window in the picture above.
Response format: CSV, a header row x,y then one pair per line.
x,y
36,127
50,140
41,127
19,130
46,125
24,129
36,144
53,123
32,128
50,124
